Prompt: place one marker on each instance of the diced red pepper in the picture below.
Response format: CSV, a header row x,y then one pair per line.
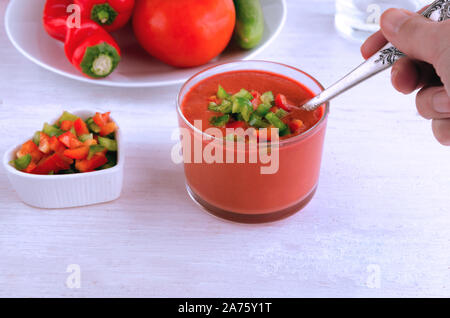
x,y
256,99
296,125
30,148
214,99
90,142
77,153
44,143
53,163
66,125
101,119
281,102
236,124
56,145
95,162
80,127
30,167
107,129
69,140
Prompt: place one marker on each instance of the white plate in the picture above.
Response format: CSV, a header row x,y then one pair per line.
x,y
23,22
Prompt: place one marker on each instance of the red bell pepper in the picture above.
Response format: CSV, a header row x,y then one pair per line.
x,y
66,125
69,140
44,143
53,163
95,162
55,18
104,122
80,127
92,50
56,145
296,126
77,153
256,99
30,148
281,102
110,14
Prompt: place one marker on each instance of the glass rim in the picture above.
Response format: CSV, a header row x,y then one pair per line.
x,y
282,142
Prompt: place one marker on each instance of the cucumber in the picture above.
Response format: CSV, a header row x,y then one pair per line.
x,y
249,23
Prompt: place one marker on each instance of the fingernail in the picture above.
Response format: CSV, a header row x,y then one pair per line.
x,y
393,19
441,102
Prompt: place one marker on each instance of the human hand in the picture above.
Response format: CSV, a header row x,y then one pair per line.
x,y
426,67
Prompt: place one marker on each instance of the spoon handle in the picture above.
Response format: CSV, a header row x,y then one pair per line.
x,y
439,10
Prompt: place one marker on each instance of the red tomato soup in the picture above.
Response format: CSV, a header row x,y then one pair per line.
x,y
239,191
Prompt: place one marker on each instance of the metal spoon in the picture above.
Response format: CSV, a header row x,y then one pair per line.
x,y
438,11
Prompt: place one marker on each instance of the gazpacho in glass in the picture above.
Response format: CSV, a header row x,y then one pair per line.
x,y
250,153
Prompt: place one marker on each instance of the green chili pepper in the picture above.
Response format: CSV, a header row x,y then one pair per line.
x,y
267,98
22,162
220,121
109,144
222,93
94,149
263,109
51,130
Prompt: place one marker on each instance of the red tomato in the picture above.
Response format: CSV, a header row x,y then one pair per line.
x,y
184,33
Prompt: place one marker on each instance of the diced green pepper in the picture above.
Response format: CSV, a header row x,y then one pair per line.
x,y
246,111
22,162
263,109
222,93
51,130
83,138
275,121
94,149
220,121
267,98
239,103
226,107
37,138
281,113
67,116
243,93
92,125
109,144
214,107
257,121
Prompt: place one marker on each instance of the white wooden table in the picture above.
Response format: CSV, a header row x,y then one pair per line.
x,y
379,224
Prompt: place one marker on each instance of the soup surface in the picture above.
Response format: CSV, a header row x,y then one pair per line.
x,y
244,99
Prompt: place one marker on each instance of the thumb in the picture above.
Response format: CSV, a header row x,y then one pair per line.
x,y
415,35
